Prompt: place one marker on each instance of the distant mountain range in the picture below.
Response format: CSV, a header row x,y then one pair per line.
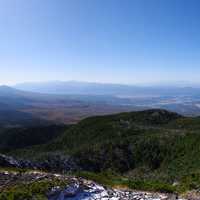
x,y
89,88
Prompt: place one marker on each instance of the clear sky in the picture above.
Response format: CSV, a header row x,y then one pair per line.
x,y
120,41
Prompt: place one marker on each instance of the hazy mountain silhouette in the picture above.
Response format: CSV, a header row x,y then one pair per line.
x,y
89,88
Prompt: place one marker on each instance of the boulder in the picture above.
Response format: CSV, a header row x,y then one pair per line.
x,y
7,161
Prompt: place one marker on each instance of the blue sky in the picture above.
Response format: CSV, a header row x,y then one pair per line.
x,y
119,41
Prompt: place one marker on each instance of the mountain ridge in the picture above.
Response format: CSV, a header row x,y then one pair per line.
x,y
95,88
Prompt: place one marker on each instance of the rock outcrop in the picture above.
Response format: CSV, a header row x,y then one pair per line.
x,y
7,161
52,162
89,190
76,188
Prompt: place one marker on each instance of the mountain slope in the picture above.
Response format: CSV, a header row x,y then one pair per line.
x,y
12,103
118,141
17,107
123,142
17,138
147,147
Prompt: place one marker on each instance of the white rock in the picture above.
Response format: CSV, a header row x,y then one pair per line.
x,y
94,191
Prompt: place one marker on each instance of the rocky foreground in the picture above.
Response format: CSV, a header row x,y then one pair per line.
x,y
91,191
74,188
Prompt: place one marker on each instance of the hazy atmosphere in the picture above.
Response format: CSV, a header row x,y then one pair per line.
x,y
134,41
99,99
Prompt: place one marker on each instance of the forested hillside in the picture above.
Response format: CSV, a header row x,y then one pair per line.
x,y
152,145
